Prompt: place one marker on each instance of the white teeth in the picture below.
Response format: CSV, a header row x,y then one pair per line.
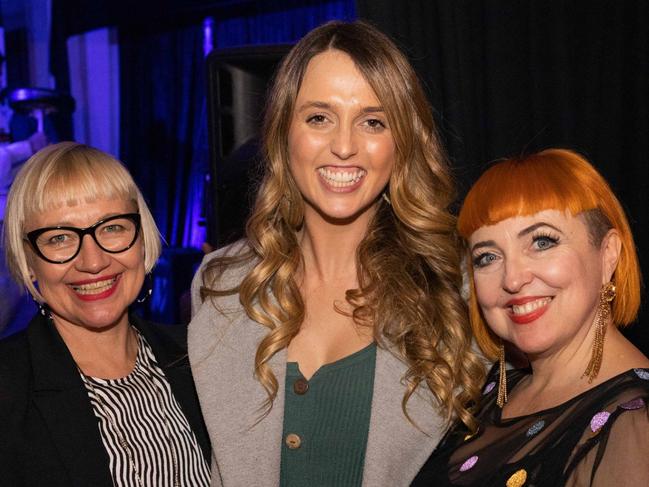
x,y
94,287
526,308
341,179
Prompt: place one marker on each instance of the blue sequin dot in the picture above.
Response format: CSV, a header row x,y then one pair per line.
x,y
535,428
642,373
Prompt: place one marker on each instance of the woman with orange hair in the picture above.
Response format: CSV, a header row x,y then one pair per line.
x,y
553,273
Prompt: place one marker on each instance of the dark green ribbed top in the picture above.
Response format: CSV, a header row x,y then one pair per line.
x,y
331,420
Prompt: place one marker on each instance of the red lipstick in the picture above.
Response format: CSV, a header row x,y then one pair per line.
x,y
96,296
523,319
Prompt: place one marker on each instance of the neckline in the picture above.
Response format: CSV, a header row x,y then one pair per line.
x,y
138,366
293,368
563,405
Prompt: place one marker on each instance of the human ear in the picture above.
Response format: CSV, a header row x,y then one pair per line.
x,y
29,260
30,270
610,250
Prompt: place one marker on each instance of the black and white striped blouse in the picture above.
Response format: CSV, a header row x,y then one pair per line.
x,y
143,429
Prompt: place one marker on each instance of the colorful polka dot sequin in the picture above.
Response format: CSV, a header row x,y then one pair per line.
x,y
469,464
642,373
535,428
636,403
598,421
489,387
471,435
518,479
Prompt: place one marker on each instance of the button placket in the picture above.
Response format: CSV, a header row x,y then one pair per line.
x,y
295,441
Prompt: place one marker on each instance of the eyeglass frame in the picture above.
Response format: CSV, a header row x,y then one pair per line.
x,y
82,232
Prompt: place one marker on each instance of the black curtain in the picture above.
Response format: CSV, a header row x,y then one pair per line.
x,y
162,94
521,75
163,136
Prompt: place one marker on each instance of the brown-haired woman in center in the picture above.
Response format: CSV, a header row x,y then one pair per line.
x,y
331,346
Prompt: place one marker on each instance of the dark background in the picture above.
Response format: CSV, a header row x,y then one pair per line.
x,y
504,77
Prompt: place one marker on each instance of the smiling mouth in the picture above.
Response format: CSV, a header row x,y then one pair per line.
x,y
341,178
527,308
96,287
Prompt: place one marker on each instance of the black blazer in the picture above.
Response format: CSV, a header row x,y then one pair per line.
x,y
49,435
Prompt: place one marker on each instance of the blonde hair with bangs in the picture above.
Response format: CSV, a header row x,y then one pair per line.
x,y
69,173
557,179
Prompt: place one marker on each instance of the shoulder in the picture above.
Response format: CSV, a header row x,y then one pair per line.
x,y
222,270
13,343
230,264
234,249
625,398
15,369
624,387
168,342
14,351
218,317
176,333
616,436
604,405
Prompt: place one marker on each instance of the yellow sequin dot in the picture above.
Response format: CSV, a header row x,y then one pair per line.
x,y
518,479
471,435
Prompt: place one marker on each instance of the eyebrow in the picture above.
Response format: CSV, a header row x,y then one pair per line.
x,y
522,233
327,106
531,228
484,243
67,223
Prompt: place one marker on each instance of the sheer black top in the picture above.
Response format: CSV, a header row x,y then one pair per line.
x,y
598,438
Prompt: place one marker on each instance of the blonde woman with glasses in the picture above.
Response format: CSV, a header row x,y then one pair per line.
x,y
90,394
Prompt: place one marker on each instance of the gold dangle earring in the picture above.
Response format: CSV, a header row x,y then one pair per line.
x,y
606,295
502,377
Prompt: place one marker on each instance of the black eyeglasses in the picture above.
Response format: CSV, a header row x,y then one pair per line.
x,y
59,245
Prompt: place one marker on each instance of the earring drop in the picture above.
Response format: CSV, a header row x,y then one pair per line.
x,y
606,295
501,400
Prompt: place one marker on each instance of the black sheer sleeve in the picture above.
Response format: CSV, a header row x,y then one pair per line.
x,y
620,456
599,438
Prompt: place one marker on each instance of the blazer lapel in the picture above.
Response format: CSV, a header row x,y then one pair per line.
x,y
61,399
396,449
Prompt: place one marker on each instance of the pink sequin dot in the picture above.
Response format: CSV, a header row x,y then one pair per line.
x,y
489,387
636,403
469,463
599,420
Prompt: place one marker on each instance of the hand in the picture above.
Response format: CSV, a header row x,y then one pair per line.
x,y
37,141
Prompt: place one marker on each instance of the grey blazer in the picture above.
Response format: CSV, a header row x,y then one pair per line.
x,y
246,451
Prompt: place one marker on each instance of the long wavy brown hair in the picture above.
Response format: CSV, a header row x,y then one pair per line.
x,y
408,262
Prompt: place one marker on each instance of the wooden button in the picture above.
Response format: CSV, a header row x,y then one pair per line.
x,y
300,386
293,441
